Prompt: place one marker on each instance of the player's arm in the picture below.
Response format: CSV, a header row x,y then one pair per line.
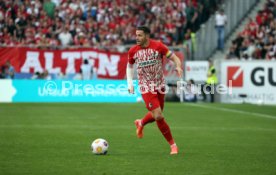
x,y
130,73
170,55
177,62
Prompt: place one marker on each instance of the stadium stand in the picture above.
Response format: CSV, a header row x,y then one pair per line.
x,y
98,23
257,40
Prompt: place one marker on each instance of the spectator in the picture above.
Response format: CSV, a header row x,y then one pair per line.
x,y
86,70
231,54
209,87
81,40
11,27
9,71
188,44
37,75
191,15
2,72
45,75
49,8
65,37
173,95
221,21
190,92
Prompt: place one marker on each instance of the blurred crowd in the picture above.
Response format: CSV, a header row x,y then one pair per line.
x,y
99,23
258,39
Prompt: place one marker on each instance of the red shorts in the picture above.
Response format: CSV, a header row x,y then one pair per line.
x,y
154,100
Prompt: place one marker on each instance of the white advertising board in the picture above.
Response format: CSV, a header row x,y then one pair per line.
x,y
196,70
251,81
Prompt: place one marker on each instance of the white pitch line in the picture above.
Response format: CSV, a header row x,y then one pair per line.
x,y
234,110
189,128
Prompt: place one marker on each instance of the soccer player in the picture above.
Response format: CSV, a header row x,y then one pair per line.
x,y
148,55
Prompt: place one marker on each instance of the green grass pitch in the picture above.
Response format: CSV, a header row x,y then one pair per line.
x,y
218,139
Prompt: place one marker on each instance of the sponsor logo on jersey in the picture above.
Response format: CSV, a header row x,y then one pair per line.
x,y
148,63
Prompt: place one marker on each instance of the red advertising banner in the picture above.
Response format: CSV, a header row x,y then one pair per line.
x,y
109,65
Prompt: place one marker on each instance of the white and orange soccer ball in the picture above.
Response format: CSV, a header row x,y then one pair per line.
x,y
99,146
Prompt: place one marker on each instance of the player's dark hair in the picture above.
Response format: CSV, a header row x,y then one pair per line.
x,y
145,29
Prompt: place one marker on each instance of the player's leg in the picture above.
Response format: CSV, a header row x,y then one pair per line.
x,y
164,128
162,125
152,101
140,123
161,98
148,118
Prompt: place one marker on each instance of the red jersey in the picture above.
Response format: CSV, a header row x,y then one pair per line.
x,y
149,63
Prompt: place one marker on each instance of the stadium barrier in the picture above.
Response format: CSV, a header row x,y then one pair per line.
x,y
67,91
108,65
242,81
251,81
196,70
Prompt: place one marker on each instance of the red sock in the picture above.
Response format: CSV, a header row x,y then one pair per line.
x,y
165,130
147,119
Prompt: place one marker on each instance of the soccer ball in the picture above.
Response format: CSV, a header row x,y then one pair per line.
x,y
99,146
